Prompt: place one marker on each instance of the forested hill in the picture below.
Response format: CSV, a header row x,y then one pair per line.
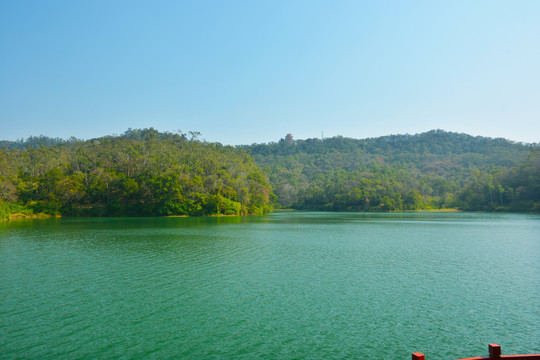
x,y
140,173
150,173
436,169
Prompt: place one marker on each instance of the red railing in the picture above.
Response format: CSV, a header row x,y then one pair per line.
x,y
494,354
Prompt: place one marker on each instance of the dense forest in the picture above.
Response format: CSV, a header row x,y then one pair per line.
x,y
433,170
150,173
140,173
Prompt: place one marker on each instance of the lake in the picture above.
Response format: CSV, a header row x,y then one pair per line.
x,y
288,285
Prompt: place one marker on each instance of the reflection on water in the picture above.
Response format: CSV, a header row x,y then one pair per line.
x,y
286,285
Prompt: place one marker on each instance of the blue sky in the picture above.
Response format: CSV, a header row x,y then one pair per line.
x,y
251,71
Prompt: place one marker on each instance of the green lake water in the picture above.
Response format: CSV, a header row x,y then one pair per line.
x,y
289,285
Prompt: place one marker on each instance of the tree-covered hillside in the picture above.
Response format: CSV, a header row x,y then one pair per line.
x,y
150,173
436,169
141,173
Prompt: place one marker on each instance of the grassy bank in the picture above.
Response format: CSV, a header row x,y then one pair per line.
x,y
13,211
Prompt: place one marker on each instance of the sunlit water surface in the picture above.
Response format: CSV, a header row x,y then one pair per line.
x,y
289,285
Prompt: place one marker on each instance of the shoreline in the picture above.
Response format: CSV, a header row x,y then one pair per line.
x,y
397,211
20,216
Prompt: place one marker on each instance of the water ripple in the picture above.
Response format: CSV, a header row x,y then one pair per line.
x,y
286,286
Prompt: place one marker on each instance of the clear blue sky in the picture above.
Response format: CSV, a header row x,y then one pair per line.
x,y
251,71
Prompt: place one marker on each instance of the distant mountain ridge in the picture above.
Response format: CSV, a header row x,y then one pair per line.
x,y
141,134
